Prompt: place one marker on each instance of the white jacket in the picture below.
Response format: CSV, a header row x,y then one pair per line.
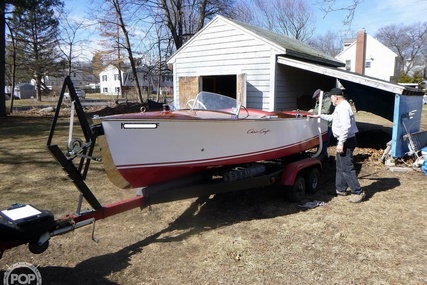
x,y
343,122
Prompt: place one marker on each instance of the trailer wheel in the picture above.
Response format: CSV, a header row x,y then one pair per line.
x,y
313,180
35,248
296,192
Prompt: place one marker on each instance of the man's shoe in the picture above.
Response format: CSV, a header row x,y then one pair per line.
x,y
341,193
357,198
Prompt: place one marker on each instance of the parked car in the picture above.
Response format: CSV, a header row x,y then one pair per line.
x,y
80,93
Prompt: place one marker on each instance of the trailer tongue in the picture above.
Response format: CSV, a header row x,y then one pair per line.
x,y
26,224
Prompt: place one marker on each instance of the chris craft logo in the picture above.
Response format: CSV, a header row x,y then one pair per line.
x,y
22,273
261,131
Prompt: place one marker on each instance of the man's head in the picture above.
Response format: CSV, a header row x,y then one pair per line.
x,y
336,95
336,92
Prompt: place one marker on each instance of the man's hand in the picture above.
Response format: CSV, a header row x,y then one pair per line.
x,y
340,149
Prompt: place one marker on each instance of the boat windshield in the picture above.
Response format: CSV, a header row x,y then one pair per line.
x,y
216,102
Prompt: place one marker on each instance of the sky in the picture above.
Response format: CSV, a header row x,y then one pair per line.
x,y
370,15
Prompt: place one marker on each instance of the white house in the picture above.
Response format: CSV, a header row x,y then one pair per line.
x,y
110,80
148,80
110,84
367,56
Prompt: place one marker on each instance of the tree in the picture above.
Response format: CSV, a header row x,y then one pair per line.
x,y
11,64
409,42
37,39
97,63
184,18
330,6
329,43
127,44
116,30
68,39
2,58
293,18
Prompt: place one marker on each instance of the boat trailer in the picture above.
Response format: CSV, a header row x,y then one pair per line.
x,y
22,224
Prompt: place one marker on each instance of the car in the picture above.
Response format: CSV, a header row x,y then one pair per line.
x,y
80,93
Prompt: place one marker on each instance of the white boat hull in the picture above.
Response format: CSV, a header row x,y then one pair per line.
x,y
150,151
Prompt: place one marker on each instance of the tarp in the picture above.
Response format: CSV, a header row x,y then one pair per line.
x,y
407,119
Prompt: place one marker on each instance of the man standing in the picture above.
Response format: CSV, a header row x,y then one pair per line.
x,y
344,129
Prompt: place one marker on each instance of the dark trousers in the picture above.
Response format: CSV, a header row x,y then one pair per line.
x,y
346,175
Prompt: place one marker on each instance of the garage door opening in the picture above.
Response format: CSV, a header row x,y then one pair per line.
x,y
221,84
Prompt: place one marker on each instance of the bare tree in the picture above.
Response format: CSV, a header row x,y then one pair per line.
x,y
11,63
294,18
329,6
68,39
408,41
184,18
244,11
127,44
2,58
329,43
116,28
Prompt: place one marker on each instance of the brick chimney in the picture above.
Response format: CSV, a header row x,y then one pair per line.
x,y
360,51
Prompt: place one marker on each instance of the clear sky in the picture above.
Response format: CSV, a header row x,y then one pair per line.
x,y
370,14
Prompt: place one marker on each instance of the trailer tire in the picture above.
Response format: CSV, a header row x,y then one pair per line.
x,y
313,180
296,192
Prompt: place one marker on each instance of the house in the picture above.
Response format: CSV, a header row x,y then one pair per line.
x,y
240,61
149,81
269,71
110,83
81,77
367,56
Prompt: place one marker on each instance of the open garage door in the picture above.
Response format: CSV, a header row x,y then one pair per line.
x,y
233,86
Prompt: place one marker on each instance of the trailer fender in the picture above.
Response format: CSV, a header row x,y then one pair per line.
x,y
291,170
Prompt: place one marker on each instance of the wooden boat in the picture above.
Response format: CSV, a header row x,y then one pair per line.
x,y
154,147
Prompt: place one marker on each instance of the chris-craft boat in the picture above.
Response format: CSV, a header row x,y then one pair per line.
x,y
148,148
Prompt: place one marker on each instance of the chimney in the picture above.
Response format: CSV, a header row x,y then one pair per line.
x,y
360,51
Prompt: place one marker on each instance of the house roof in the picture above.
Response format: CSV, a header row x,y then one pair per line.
x,y
348,43
286,46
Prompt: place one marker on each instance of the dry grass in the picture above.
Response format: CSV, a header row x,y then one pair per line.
x,y
249,237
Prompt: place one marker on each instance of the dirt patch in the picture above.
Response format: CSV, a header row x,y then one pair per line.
x,y
246,237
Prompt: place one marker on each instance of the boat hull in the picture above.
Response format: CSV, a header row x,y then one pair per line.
x,y
148,151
